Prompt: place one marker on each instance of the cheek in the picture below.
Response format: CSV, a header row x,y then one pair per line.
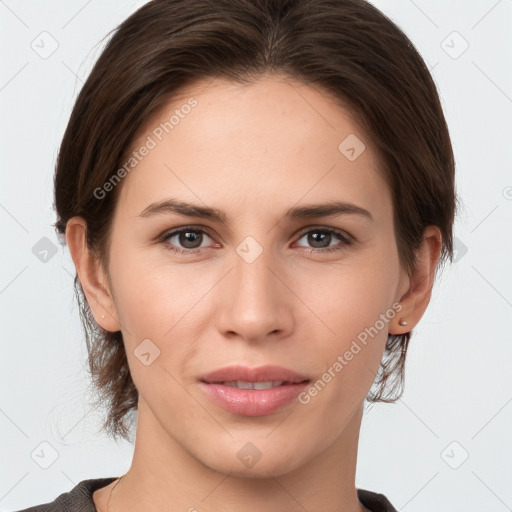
x,y
354,296
156,310
356,307
166,304
152,297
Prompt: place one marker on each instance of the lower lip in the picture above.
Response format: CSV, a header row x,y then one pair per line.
x,y
253,402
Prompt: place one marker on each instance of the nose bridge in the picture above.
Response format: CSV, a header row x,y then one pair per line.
x,y
252,267
252,275
253,302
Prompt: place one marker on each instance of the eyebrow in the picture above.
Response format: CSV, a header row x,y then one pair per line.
x,y
184,209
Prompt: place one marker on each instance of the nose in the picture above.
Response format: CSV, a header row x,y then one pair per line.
x,y
254,300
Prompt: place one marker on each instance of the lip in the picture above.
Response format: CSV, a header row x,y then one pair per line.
x,y
259,374
253,402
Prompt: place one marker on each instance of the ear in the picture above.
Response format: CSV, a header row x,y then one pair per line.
x,y
92,276
414,295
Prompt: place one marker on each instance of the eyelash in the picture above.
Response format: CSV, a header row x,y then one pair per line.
x,y
169,234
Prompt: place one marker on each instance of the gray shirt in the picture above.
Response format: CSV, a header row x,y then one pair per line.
x,y
79,499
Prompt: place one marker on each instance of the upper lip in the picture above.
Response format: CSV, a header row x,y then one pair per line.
x,y
259,374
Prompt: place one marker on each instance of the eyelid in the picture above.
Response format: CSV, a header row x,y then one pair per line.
x,y
337,231
345,238
178,230
303,231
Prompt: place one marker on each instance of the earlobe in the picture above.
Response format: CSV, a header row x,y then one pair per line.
x,y
415,300
92,276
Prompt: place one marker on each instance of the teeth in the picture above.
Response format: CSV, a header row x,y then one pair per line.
x,y
240,384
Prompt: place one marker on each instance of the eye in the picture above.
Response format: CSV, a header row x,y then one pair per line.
x,y
189,238
321,239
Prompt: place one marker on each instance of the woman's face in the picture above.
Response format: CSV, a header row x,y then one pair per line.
x,y
314,294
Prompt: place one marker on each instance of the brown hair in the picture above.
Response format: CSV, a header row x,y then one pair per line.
x,y
347,47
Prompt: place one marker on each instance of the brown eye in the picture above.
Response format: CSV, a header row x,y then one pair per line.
x,y
320,239
190,239
185,240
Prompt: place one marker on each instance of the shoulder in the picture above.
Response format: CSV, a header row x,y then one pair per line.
x,y
374,501
78,499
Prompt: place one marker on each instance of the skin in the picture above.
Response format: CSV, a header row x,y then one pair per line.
x,y
252,151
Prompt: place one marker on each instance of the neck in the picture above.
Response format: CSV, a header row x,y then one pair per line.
x,y
164,476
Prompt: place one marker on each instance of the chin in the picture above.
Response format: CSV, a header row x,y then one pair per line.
x,y
248,459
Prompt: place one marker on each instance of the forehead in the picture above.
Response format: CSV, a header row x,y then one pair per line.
x,y
251,146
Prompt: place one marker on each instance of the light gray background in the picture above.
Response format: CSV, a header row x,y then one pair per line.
x,y
458,397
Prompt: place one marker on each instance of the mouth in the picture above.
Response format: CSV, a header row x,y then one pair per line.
x,y
266,376
240,384
253,392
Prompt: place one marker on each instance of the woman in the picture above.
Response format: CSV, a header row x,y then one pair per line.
x,y
257,195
